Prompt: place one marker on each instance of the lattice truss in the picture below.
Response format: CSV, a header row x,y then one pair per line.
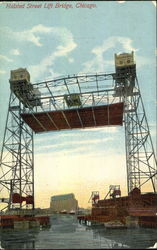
x,y
17,164
140,157
74,102
92,90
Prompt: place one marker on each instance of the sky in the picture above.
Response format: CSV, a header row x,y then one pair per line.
x,y
52,42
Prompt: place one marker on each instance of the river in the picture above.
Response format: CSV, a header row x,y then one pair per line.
x,y
66,233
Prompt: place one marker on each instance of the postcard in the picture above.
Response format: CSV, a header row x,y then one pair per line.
x,y
78,124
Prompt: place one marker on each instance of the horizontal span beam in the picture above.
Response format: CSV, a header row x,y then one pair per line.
x,y
105,115
80,78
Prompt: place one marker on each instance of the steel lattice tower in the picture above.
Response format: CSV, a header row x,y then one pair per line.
x,y
17,160
140,156
141,162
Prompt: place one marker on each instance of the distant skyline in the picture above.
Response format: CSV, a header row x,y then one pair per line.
x,y
55,42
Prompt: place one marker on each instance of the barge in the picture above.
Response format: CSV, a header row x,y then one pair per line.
x,y
134,210
23,222
23,219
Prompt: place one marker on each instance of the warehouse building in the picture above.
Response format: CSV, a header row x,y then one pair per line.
x,y
65,203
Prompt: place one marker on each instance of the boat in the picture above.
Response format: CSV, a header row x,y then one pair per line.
x,y
63,212
72,212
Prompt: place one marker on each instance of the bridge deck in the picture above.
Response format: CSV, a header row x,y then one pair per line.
x,y
105,115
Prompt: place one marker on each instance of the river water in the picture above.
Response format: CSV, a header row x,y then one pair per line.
x,y
66,233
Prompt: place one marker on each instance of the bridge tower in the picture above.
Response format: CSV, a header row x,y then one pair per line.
x,y
141,162
17,156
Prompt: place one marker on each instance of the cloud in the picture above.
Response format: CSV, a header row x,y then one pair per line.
x,y
65,47
30,35
5,58
2,72
76,146
111,42
80,134
35,34
98,61
15,52
96,130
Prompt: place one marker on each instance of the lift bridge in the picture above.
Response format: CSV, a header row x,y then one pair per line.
x,y
73,102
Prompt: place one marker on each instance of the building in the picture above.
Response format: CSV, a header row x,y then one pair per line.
x,y
63,203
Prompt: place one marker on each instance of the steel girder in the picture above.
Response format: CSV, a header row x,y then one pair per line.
x,y
140,156
17,159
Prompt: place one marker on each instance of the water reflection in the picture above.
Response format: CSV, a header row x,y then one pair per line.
x,y
135,238
63,223
66,233
11,239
